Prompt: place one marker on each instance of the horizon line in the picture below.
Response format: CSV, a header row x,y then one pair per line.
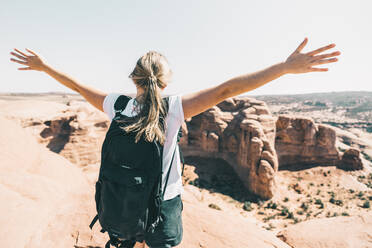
x,y
245,94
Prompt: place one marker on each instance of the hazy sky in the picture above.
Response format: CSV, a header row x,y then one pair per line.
x,y
205,41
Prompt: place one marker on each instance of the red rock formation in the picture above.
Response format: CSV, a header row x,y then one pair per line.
x,y
241,131
301,143
75,131
350,160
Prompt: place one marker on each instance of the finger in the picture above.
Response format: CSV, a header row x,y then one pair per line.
x,y
24,68
18,61
20,52
323,56
301,46
32,52
319,50
18,56
317,69
324,61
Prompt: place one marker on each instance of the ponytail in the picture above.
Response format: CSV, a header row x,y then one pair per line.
x,y
151,74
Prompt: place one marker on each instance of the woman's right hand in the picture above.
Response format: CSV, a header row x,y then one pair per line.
x,y
33,61
302,62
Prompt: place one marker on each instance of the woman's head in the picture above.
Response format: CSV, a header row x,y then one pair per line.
x,y
151,67
151,74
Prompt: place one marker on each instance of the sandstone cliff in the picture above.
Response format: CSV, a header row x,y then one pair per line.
x,y
301,143
242,132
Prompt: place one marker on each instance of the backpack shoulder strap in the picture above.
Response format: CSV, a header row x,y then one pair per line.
x,y
121,103
166,100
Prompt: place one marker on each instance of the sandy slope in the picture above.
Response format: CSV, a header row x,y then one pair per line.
x,y
49,203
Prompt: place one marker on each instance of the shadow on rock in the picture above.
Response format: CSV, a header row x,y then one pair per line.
x,y
216,175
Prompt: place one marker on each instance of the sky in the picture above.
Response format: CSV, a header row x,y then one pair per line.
x,y
206,42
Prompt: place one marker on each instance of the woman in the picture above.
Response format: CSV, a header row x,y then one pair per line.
x,y
151,75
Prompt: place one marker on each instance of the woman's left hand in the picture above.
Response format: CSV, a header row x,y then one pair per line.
x,y
33,61
299,62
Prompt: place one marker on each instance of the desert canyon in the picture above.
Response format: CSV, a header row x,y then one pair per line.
x,y
263,171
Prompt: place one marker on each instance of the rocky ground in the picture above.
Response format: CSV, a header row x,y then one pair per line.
x,y
319,192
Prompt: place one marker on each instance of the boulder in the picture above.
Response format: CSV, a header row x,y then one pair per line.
x,y
350,160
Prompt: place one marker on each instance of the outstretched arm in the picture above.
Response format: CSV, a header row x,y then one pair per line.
x,y
195,103
34,61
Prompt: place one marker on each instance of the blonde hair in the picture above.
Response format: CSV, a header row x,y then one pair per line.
x,y
151,73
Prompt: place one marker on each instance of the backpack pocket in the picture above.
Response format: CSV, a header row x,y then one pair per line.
x,y
123,204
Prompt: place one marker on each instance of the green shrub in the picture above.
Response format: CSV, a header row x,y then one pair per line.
x,y
319,202
247,206
336,202
332,194
284,211
366,204
271,205
290,215
369,184
360,194
304,206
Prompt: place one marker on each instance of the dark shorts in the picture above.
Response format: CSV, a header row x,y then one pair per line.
x,y
169,232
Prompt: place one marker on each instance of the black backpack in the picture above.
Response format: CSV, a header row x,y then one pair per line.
x,y
129,187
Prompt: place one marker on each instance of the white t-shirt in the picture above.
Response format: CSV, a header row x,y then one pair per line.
x,y
174,121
